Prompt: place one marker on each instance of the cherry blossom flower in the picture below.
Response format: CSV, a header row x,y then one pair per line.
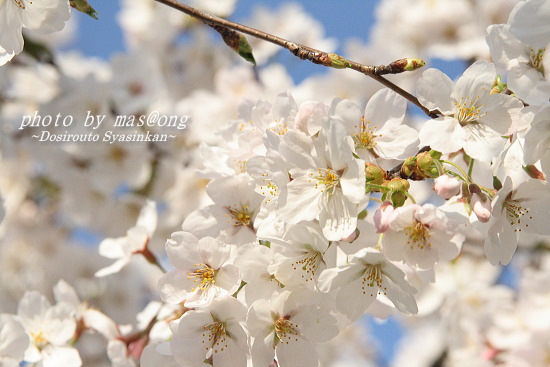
x,y
287,327
214,333
231,217
86,316
253,261
328,182
524,65
13,341
300,255
473,119
368,274
203,270
44,16
376,131
525,208
50,329
421,236
135,241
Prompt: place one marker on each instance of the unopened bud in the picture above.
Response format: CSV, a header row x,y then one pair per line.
x,y
408,64
447,186
426,165
481,206
398,198
397,184
375,174
338,62
408,167
382,217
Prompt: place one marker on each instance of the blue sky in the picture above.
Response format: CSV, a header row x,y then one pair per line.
x,y
103,37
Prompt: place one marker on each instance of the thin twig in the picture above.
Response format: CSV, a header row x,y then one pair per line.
x,y
304,52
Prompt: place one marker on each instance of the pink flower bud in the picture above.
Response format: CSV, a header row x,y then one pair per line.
x,y
482,209
352,237
447,186
382,217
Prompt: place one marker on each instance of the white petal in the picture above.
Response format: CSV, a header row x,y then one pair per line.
x,y
482,142
529,22
338,217
475,81
385,107
434,91
174,286
299,352
60,356
442,134
148,217
354,298
316,324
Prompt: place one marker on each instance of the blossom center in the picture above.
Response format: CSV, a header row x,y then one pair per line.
x,y
39,339
309,262
515,213
326,179
365,138
204,274
536,60
240,216
240,166
279,128
419,235
372,277
285,330
269,190
20,3
467,110
214,337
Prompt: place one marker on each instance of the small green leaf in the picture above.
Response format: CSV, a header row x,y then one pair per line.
x,y
84,7
245,50
237,42
38,51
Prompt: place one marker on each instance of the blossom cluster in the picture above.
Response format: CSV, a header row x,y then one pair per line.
x,y
311,206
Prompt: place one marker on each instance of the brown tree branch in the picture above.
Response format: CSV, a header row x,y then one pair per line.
x,y
311,54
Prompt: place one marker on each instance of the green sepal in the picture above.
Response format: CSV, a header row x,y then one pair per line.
x,y
398,199
84,7
237,42
497,185
498,85
533,172
338,62
265,243
38,51
362,214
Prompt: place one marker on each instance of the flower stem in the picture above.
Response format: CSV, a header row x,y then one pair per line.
x,y
471,167
151,258
465,176
409,196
